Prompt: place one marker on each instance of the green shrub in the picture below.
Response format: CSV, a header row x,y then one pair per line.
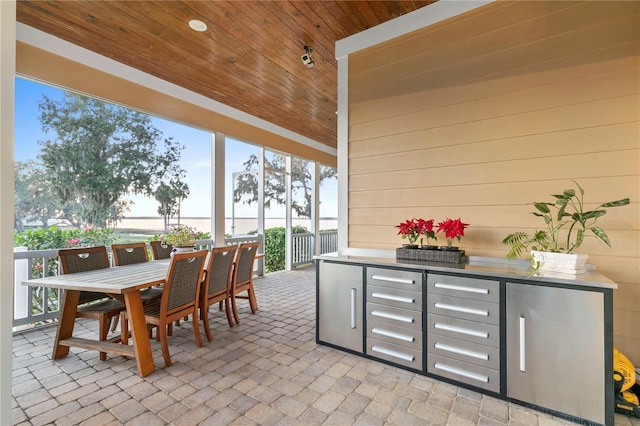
x,y
54,237
274,247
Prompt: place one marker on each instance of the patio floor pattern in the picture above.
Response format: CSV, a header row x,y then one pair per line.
x,y
268,370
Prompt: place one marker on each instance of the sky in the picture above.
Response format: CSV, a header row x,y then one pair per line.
x,y
196,157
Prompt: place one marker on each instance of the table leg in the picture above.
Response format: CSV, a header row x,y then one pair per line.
x,y
66,321
139,333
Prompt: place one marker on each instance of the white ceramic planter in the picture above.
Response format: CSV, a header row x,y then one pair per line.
x,y
182,249
566,263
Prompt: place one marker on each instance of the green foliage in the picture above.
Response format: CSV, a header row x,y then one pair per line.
x,y
200,235
100,153
274,247
33,199
54,237
177,235
168,203
180,236
520,242
42,238
566,212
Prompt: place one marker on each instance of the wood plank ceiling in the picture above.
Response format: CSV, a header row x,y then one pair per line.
x,y
249,57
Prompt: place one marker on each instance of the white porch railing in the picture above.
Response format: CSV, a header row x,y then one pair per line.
x,y
33,305
328,241
303,246
302,249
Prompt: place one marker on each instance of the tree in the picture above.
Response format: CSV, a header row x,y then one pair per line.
x,y
100,153
33,200
246,189
180,191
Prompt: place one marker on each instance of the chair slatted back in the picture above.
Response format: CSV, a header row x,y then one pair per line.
x,y
160,251
183,280
243,271
84,259
219,269
127,254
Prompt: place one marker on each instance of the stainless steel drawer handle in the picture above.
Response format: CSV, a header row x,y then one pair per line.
x,y
461,309
395,317
353,307
463,373
393,335
523,363
391,352
465,352
392,279
462,288
461,330
393,298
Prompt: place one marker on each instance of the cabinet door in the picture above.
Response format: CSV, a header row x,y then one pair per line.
x,y
340,304
555,349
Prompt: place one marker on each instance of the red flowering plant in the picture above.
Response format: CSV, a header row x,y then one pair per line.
x,y
426,230
409,229
452,228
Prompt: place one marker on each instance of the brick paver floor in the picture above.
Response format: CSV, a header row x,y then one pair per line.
x,y
266,371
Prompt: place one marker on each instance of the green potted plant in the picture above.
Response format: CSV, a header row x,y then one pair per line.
x,y
550,250
181,237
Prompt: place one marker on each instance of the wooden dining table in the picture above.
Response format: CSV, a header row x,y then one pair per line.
x,y
120,282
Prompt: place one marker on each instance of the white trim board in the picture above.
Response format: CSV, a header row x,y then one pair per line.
x,y
420,18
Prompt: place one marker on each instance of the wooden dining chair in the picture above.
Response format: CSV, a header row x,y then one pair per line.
x,y
180,297
216,286
160,250
92,305
243,277
130,253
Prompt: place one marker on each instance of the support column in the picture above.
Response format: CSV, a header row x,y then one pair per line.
x,y
288,233
217,187
343,152
315,207
7,136
261,248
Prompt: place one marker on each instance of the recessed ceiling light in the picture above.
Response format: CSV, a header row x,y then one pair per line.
x,y
197,25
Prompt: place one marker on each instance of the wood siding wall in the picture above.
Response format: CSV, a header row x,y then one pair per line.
x,y
479,116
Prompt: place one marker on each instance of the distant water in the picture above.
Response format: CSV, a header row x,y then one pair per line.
x,y
151,225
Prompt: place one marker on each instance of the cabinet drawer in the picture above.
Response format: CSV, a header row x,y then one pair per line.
x,y
468,309
397,335
471,331
464,287
395,353
482,377
473,353
403,318
395,278
399,298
